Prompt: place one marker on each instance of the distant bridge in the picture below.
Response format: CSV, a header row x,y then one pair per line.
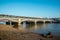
x,y
19,19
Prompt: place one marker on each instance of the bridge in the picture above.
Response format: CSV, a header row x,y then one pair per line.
x,y
10,19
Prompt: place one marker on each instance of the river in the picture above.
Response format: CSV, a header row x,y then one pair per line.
x,y
41,28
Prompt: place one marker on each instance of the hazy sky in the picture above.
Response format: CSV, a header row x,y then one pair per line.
x,y
34,8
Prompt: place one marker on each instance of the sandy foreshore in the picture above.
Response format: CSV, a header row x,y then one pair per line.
x,y
9,33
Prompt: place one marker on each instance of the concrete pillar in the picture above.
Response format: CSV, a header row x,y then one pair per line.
x,y
35,26
35,22
51,21
10,23
44,25
19,23
44,21
24,25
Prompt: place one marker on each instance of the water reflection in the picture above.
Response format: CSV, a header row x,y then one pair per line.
x,y
42,28
2,23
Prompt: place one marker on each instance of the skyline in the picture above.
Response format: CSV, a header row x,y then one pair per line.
x,y
31,8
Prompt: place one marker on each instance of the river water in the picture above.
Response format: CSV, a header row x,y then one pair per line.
x,y
42,28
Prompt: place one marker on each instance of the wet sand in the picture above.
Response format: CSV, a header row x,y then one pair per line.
x,y
9,33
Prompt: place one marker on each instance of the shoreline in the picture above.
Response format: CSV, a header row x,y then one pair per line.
x,y
9,33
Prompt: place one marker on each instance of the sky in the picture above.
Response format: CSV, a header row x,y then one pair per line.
x,y
31,8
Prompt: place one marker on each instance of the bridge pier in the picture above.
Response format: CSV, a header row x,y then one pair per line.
x,y
19,23
44,21
51,21
9,23
24,25
35,22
